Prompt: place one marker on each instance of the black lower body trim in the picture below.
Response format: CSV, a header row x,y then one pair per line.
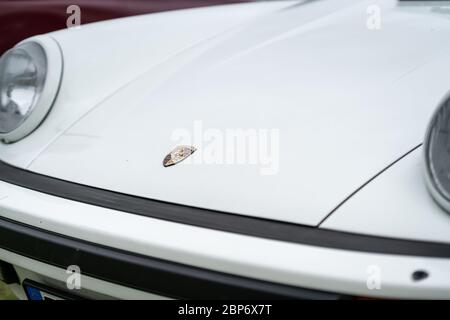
x,y
140,272
217,220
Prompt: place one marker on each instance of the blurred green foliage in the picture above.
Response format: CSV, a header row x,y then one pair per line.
x,y
5,293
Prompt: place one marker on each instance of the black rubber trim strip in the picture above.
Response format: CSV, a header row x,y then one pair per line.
x,y
141,272
217,220
367,182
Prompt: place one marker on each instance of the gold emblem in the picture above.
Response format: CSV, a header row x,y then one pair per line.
x,y
178,154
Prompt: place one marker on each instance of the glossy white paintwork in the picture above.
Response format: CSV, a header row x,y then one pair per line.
x,y
277,261
101,58
339,93
348,102
395,205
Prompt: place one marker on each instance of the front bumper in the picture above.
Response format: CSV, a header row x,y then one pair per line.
x,y
147,274
201,261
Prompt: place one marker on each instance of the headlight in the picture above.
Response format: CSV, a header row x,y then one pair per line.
x,y
30,74
22,75
437,155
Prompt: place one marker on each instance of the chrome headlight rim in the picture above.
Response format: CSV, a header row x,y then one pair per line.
x,y
45,101
432,184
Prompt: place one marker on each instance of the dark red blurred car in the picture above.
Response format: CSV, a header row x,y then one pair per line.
x,y
22,19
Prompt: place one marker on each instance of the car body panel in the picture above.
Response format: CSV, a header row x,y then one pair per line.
x,y
351,104
90,51
338,92
24,19
264,259
396,204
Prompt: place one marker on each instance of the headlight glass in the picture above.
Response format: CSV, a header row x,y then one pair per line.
x,y
437,154
22,77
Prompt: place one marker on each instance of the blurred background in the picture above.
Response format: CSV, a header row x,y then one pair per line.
x,y
5,293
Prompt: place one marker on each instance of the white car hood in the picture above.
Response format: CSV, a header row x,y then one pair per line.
x,y
346,100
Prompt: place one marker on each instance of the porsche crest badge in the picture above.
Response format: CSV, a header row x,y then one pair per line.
x,y
178,154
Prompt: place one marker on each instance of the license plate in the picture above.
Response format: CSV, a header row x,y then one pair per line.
x,y
37,291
